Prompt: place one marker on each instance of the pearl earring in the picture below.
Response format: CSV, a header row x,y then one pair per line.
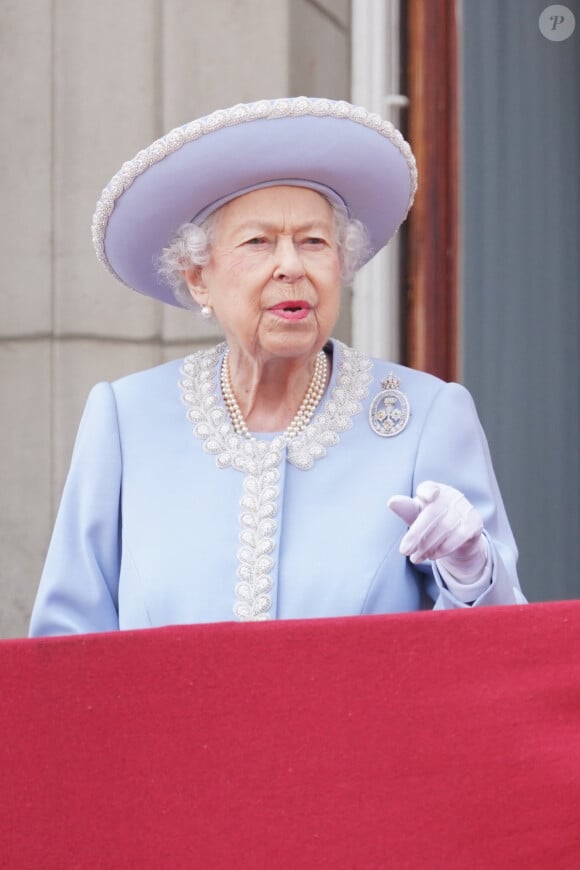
x,y
206,312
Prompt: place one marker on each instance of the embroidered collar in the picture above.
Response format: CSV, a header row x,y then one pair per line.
x,y
206,411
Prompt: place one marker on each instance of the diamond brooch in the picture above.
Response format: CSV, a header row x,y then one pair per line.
x,y
390,410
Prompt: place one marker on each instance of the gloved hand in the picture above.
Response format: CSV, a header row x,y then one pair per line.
x,y
444,526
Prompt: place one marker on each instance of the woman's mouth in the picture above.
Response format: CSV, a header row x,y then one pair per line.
x,y
293,309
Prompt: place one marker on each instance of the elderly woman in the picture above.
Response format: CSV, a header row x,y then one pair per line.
x,y
253,480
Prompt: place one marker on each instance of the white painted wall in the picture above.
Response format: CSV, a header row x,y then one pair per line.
x,y
376,84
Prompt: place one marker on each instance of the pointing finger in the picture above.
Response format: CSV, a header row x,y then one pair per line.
x,y
407,508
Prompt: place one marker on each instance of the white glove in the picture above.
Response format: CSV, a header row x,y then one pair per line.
x,y
445,527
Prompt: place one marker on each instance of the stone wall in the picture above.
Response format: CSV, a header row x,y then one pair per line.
x,y
85,86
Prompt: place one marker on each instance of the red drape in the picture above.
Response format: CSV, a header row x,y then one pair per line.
x,y
429,740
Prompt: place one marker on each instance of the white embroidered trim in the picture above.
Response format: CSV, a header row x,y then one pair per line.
x,y
337,412
259,460
239,114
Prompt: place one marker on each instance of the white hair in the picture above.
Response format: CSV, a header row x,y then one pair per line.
x,y
191,246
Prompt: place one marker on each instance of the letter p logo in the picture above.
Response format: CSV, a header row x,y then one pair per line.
x,y
557,23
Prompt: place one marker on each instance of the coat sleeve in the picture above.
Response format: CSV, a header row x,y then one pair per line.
x,y
453,449
78,591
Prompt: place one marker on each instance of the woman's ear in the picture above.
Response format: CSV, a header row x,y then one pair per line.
x,y
194,280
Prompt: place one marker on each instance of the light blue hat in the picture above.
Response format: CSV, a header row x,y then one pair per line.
x,y
354,157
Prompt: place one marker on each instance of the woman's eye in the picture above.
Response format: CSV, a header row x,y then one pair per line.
x,y
257,240
314,240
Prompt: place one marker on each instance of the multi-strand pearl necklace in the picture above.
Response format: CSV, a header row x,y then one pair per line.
x,y
305,412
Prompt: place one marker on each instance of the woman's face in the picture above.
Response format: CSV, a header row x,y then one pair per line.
x,y
273,279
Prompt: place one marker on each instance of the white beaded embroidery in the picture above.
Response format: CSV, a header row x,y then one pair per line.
x,y
259,459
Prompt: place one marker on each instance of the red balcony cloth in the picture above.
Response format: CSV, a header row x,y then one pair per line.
x,y
429,740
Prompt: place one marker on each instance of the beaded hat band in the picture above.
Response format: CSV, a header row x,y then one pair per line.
x,y
355,157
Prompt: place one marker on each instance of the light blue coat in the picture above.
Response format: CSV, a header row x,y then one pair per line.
x,y
169,517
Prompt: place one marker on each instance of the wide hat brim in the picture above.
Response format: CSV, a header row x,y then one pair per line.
x,y
355,155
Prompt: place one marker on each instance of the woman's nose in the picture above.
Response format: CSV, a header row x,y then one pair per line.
x,y
289,265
